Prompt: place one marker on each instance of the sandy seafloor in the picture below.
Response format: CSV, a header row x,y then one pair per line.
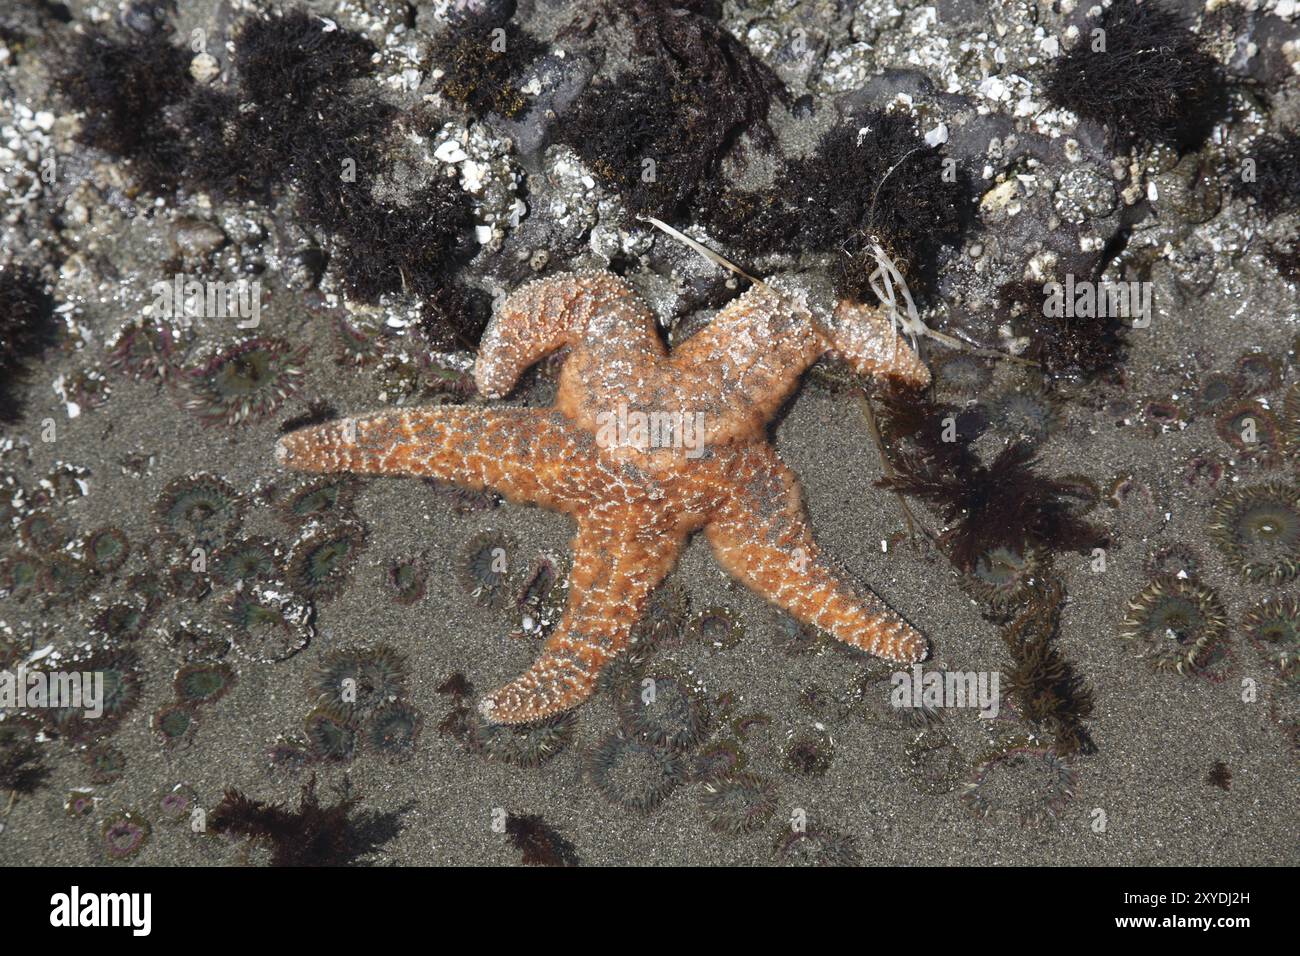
x,y
1156,734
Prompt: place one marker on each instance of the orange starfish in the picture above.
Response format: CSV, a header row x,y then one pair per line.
x,y
641,448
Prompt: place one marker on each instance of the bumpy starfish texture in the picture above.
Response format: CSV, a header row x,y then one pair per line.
x,y
636,492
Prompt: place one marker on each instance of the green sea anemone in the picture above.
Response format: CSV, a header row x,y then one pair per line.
x,y
1258,529
1175,622
246,382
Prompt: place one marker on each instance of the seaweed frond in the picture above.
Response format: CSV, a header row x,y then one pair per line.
x,y
311,835
1003,504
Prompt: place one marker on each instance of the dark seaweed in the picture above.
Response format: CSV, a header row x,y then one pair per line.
x,y
693,92
27,329
1003,504
540,844
1154,81
871,177
312,835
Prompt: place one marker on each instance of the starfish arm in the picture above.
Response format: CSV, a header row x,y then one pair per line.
x,y
864,337
760,535
528,455
564,309
743,365
616,565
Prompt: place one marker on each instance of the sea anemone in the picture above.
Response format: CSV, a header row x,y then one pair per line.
x,y
484,566
664,709
175,723
79,803
1258,529
523,745
1004,577
1216,389
393,730
149,587
1024,415
64,579
1176,560
1175,622
717,627
321,561
665,617
247,559
268,623
120,621
203,683
107,764
634,774
198,511
1020,782
935,765
327,498
1291,418
332,731
359,679
809,756
192,641
1254,374
123,836
177,804
1274,628
1252,430
246,382
43,533
106,549
811,846
20,574
718,760
962,373
145,350
406,580
739,804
